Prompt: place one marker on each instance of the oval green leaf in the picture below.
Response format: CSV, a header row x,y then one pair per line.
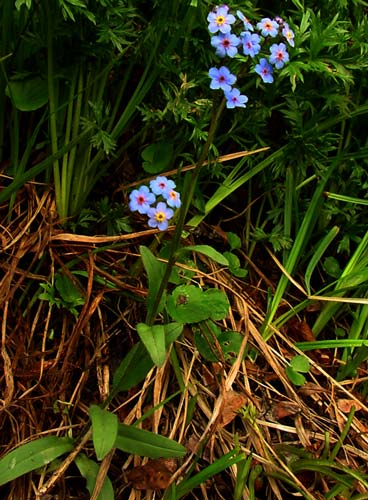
x,y
295,377
104,430
185,305
230,343
157,157
300,363
216,302
28,94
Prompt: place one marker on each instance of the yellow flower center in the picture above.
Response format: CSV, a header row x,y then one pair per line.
x,y
172,194
220,20
160,216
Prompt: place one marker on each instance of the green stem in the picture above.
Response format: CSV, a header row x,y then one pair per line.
x,y
66,158
186,202
72,194
52,107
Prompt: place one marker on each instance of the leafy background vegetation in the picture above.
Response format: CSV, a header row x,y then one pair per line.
x,y
232,356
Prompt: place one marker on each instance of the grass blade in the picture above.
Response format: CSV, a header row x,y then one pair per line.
x,y
296,251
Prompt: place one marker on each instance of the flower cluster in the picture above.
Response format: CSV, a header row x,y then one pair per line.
x,y
253,41
160,190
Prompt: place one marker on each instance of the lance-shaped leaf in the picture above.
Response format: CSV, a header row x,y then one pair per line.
x,y
89,470
147,444
31,456
153,338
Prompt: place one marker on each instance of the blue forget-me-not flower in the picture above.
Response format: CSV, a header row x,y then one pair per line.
x,y
279,55
141,199
225,44
220,20
222,78
253,41
162,190
159,216
265,70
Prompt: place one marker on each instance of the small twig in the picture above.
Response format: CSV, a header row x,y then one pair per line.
x,y
63,467
102,472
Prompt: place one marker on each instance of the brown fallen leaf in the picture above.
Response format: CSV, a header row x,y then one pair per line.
x,y
312,390
153,475
345,405
233,401
300,330
283,409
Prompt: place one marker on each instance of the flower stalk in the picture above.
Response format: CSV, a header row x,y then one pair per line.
x,y
186,202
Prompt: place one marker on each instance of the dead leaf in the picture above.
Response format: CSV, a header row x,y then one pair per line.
x,y
233,401
300,330
345,405
283,409
192,444
154,475
312,390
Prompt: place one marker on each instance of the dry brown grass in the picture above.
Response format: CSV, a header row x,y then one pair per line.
x,y
53,366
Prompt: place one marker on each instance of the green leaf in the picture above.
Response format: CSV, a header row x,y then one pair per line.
x,y
187,485
185,304
155,271
234,240
317,255
153,338
300,363
132,370
232,183
230,343
234,262
158,338
301,240
31,456
157,157
208,251
19,3
190,304
234,265
28,94
104,430
68,291
217,302
147,444
172,332
89,470
206,349
332,267
239,272
295,377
